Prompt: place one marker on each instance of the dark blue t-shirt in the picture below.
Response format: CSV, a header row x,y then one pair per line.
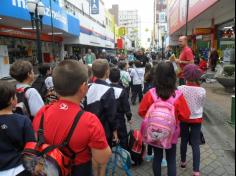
x,y
15,131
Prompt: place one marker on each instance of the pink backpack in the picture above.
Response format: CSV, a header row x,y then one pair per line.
x,y
159,128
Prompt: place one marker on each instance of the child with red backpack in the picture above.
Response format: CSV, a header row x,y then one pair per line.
x,y
191,130
163,106
28,98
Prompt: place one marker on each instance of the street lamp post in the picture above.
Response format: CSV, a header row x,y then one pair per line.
x,y
187,10
36,10
162,47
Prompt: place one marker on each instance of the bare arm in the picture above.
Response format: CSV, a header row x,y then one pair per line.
x,y
101,156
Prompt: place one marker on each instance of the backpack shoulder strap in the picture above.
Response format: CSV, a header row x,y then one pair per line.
x,y
154,94
40,132
178,94
76,120
26,102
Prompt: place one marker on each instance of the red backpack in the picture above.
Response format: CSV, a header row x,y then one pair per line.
x,y
42,159
136,146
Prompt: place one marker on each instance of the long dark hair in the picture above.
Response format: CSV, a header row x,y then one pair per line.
x,y
165,80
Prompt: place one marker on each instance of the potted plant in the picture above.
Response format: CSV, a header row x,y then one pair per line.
x,y
227,78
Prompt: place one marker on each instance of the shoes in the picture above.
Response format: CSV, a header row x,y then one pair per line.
x,y
149,158
196,173
183,165
164,163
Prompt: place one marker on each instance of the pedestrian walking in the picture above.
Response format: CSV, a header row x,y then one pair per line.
x,y
124,75
191,129
123,107
45,70
165,90
89,57
22,72
186,57
88,140
15,131
137,75
213,59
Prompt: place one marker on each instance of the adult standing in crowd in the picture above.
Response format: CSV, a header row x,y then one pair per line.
x,y
89,57
213,59
140,56
186,57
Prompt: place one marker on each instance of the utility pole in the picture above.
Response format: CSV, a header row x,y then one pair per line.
x,y
52,28
186,32
154,24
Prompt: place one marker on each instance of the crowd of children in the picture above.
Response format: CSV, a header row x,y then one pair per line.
x,y
101,93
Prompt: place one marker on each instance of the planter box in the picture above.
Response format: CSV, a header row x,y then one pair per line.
x,y
227,82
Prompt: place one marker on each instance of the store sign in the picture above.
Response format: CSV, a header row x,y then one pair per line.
x,y
202,31
94,4
61,20
178,10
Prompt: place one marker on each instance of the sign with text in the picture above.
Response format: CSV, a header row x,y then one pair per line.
x,y
94,4
202,31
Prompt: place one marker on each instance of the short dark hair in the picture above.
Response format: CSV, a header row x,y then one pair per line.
x,y
114,75
100,67
20,70
7,92
122,65
131,63
137,64
68,76
165,80
43,69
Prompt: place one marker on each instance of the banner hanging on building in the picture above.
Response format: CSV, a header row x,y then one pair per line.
x,y
94,5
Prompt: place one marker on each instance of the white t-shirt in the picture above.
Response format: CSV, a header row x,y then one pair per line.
x,y
138,75
35,101
195,97
49,82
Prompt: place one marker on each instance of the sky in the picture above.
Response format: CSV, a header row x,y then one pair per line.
x,y
145,8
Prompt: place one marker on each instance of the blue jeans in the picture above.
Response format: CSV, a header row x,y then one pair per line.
x,y
171,161
191,131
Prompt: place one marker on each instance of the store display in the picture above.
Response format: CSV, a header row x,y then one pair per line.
x,y
4,62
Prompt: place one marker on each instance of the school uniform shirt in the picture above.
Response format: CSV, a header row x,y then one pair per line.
x,y
100,100
33,97
195,97
138,75
15,131
122,103
58,119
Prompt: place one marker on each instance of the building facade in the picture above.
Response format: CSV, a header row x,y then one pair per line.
x,y
131,21
73,25
211,24
160,22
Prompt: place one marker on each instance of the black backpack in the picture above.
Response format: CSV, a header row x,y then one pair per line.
x,y
137,154
39,85
22,106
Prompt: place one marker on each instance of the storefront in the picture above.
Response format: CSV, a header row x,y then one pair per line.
x,y
16,31
226,40
21,45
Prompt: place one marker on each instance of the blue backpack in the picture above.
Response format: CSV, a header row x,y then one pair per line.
x,y
120,163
